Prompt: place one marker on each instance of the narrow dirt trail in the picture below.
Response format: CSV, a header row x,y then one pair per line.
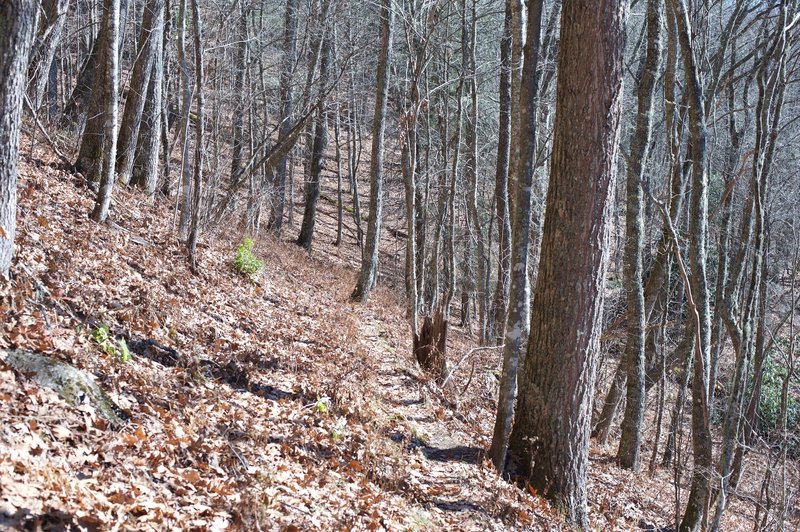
x,y
442,469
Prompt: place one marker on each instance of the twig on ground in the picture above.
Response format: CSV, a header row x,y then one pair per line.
x,y
466,356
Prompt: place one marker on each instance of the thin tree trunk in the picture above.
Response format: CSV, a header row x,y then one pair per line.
x,y
313,184
197,191
287,69
697,285
369,258
630,441
500,302
518,321
54,14
106,159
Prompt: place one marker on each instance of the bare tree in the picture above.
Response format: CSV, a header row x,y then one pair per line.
x,y
369,259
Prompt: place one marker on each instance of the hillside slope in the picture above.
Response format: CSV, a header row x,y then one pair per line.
x,y
274,404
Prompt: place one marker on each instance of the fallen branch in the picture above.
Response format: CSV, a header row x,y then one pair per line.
x,y
466,356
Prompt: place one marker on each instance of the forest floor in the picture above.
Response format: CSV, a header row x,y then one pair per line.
x,y
255,405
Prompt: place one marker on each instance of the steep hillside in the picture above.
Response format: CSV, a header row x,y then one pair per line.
x,y
255,405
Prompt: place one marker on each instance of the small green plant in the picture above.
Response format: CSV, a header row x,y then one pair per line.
x,y
110,345
246,262
338,432
322,405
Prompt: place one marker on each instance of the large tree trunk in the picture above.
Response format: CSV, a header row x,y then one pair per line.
x,y
550,438
630,442
518,321
103,154
369,258
16,28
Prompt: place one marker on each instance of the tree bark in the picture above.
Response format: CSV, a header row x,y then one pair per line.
x,y
104,154
630,441
199,149
287,96
697,286
152,23
145,165
518,321
369,258
16,29
501,192
51,24
550,438
313,184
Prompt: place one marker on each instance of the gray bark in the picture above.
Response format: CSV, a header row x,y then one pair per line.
x,y
500,302
104,158
145,167
369,258
199,149
51,24
152,23
518,321
16,28
630,441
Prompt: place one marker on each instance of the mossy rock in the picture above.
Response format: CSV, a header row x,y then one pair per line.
x,y
75,386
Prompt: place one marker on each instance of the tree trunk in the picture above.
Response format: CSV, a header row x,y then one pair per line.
x,y
500,302
152,23
697,286
104,154
550,438
313,184
518,321
630,441
51,23
289,58
145,165
369,258
16,29
199,149
186,105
